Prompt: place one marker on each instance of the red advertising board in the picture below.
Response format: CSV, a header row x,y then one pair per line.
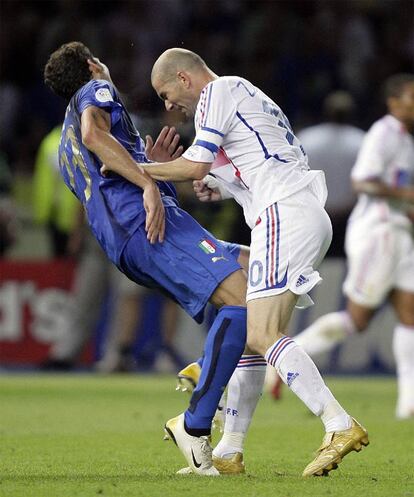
x,y
34,302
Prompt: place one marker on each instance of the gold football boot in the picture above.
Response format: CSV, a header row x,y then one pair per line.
x,y
232,466
188,377
335,446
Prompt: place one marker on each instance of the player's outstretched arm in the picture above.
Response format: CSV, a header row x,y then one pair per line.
x,y
96,136
177,170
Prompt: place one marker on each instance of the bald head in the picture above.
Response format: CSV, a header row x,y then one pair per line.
x,y
175,60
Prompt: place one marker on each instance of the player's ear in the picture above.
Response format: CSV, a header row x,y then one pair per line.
x,y
184,79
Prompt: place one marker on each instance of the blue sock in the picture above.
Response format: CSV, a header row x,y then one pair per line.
x,y
200,360
223,348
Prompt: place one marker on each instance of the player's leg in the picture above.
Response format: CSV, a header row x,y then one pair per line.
x,y
298,371
403,346
330,330
243,392
194,268
222,350
371,275
287,244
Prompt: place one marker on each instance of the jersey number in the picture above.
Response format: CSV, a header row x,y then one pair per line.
x,y
69,138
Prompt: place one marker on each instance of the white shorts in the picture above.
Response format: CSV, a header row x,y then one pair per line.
x,y
380,258
288,243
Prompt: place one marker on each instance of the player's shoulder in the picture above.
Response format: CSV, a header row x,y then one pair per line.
x,y
386,124
386,132
226,83
98,89
230,88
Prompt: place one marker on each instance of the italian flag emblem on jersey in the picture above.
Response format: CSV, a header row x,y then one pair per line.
x,y
207,246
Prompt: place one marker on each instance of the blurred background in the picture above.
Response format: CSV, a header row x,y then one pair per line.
x,y
62,306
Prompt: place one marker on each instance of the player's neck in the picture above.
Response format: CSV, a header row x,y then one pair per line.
x,y
206,77
407,123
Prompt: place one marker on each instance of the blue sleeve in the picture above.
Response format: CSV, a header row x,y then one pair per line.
x,y
102,94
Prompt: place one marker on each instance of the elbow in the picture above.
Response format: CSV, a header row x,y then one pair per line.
x,y
89,139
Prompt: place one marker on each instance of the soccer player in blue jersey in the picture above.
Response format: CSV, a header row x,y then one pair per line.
x,y
144,232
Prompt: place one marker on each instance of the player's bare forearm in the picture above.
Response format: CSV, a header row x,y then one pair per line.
x,y
97,138
177,170
380,189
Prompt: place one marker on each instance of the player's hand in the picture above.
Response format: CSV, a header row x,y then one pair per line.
x,y
204,193
155,221
99,69
165,147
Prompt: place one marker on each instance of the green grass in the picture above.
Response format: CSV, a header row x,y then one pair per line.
x,y
74,435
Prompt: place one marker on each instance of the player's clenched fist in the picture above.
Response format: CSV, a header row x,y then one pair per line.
x,y
209,189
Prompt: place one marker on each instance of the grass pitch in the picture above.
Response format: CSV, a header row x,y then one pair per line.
x,y
88,436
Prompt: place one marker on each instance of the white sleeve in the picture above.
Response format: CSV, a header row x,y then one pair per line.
x,y
215,110
378,147
215,184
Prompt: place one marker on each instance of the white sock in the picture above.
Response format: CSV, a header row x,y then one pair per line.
x,y
243,393
403,346
326,332
301,375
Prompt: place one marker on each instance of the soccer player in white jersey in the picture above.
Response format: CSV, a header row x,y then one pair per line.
x,y
379,241
244,140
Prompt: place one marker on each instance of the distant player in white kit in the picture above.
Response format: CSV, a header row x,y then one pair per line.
x,y
379,240
245,142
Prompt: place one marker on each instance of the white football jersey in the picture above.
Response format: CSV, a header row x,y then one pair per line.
x,y
251,146
387,155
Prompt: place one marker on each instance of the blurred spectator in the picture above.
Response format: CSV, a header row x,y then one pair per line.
x,y
7,210
333,147
54,205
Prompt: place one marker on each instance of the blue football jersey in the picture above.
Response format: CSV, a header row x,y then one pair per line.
x,y
113,205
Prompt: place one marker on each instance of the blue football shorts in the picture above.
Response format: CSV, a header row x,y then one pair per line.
x,y
188,266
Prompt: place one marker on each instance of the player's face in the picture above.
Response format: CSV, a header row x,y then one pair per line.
x,y
404,105
176,97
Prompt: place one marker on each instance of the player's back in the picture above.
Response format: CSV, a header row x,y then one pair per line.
x,y
114,206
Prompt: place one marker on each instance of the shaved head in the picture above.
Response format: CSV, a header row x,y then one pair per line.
x,y
173,61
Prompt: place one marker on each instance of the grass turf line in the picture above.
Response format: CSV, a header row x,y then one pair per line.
x,y
83,435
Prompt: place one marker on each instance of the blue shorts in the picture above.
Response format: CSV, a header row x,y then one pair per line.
x,y
188,266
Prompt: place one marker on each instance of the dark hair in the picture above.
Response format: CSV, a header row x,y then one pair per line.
x,y
394,85
339,107
67,69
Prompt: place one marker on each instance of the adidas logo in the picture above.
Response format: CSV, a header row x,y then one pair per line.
x,y
291,377
301,280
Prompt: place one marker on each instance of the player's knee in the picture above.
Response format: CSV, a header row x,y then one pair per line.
x,y
258,338
253,342
360,316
